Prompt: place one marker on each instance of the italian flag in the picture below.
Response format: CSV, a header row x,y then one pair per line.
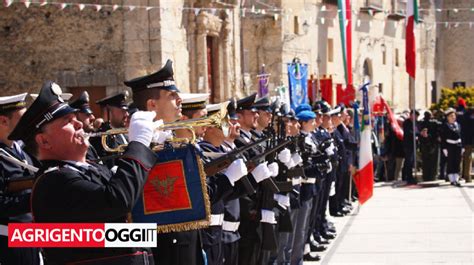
x,y
410,54
364,178
345,26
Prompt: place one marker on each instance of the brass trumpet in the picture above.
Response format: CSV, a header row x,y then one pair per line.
x,y
219,119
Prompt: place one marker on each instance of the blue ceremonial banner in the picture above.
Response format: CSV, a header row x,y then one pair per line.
x,y
175,193
298,84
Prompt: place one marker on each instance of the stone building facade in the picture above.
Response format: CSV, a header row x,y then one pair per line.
x,y
217,46
454,51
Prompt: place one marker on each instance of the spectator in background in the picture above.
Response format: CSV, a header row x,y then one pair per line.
x,y
451,145
429,146
467,135
408,132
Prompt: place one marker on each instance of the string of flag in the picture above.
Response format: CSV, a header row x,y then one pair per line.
x,y
274,12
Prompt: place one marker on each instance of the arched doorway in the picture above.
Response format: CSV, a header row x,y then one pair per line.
x,y
367,71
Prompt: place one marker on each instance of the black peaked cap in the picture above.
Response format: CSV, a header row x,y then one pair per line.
x,y
117,100
162,79
47,107
82,103
247,103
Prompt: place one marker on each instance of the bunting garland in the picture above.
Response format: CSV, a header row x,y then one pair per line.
x,y
265,11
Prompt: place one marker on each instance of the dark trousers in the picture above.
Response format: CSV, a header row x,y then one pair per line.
x,y
248,251
213,254
442,166
429,156
407,171
231,253
454,159
180,248
324,198
17,256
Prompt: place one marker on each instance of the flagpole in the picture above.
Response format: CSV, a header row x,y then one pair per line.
x,y
413,109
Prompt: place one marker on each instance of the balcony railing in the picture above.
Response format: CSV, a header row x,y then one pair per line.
x,y
398,9
372,6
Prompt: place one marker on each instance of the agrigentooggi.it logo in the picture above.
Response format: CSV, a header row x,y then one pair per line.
x,y
90,235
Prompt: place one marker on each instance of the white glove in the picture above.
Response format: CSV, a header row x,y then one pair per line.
x,y
283,200
159,136
445,152
273,167
268,217
141,127
462,151
290,164
296,158
261,172
330,150
284,156
236,171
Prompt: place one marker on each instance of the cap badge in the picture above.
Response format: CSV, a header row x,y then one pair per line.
x,y
56,89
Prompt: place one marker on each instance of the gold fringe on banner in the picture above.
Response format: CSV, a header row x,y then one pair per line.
x,y
197,224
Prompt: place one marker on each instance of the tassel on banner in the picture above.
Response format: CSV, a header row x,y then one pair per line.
x,y
131,8
115,7
27,3
8,3
275,17
252,9
63,6
148,8
81,7
43,3
98,8
322,21
196,11
323,8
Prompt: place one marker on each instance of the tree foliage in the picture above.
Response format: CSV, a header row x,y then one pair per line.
x,y
450,96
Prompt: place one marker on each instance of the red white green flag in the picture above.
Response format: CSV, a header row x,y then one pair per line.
x,y
364,178
410,54
345,25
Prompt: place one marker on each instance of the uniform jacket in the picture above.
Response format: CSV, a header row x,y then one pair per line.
x,y
66,191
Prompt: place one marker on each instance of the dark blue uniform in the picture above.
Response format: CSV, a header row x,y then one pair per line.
x,y
14,206
68,191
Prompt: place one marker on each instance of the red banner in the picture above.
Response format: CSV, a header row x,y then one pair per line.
x,y
312,89
326,89
346,95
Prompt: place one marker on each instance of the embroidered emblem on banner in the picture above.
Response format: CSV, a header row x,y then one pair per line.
x,y
166,188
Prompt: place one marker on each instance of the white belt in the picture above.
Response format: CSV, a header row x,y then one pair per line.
x,y
3,230
309,181
449,141
296,181
230,226
217,219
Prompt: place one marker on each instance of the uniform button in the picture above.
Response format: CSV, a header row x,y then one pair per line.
x,y
175,241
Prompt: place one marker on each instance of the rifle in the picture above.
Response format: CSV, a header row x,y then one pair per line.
x,y
252,163
218,164
20,184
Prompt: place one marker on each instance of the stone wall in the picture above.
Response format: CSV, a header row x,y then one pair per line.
x,y
75,48
455,56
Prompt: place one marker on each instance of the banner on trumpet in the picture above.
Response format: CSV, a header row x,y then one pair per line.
x,y
175,193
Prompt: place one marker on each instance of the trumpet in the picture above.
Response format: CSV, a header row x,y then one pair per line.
x,y
218,119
